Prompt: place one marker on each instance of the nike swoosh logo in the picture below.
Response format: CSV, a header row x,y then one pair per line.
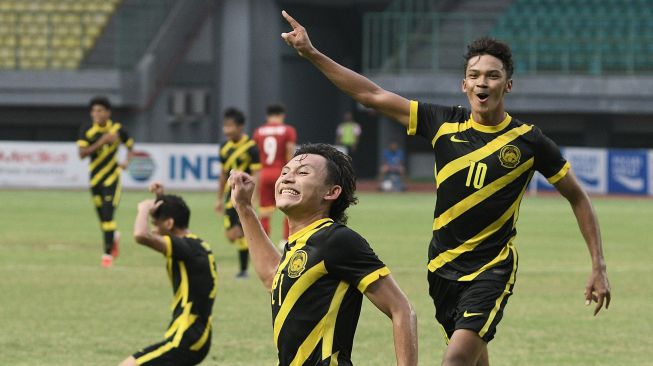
x,y
467,315
453,138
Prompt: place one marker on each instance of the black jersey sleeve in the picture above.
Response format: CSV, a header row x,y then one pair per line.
x,y
548,158
351,258
124,137
255,161
177,248
426,118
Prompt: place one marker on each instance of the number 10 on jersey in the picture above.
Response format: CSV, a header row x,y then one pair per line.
x,y
476,174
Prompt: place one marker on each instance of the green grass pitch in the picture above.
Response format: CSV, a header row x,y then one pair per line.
x,y
58,307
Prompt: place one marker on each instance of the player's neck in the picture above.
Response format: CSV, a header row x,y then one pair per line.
x,y
298,222
179,232
274,122
103,123
489,118
237,138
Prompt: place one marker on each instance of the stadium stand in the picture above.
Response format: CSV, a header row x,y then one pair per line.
x,y
587,36
50,34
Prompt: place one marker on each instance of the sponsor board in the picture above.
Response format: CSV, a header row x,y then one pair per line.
x,y
628,171
590,167
57,165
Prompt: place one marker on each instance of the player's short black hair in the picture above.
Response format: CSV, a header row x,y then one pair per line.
x,y
339,172
101,101
236,115
173,207
492,47
275,110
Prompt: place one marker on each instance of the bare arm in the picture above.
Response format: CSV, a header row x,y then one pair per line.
x,y
130,156
107,138
598,287
142,233
360,88
219,203
386,295
265,256
256,196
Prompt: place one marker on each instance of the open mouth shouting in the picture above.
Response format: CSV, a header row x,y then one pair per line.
x,y
482,97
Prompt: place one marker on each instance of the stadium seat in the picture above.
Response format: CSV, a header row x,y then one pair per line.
x,y
54,27
589,36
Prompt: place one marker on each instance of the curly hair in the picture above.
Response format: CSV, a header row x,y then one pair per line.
x,y
492,47
173,207
339,172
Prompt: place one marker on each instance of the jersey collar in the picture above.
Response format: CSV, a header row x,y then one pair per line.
x,y
292,238
490,129
104,128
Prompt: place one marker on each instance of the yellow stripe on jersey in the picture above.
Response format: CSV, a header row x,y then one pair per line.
x,y
451,254
503,255
449,128
230,163
255,166
331,317
412,121
99,175
371,278
103,154
324,330
334,359
481,195
560,174
477,155
112,178
506,291
295,292
182,290
205,336
82,143
108,225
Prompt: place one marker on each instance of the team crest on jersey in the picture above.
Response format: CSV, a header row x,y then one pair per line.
x,y
297,264
509,156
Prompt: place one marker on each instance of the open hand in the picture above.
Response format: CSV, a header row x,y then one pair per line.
x,y
597,290
242,189
298,37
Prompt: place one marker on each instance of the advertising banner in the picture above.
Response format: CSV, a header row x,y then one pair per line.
x,y
628,171
57,165
590,166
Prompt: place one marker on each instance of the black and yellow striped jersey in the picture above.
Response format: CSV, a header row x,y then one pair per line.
x,y
194,278
317,293
241,156
481,175
104,167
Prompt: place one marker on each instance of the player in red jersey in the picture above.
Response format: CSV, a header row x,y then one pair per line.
x,y
276,145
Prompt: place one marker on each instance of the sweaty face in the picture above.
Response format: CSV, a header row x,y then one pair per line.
x,y
230,129
486,83
302,186
99,114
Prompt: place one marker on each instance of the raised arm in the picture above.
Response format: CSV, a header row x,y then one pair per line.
x,y
107,138
265,256
362,89
598,287
386,295
142,233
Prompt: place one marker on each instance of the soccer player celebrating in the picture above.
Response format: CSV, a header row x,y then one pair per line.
x,y
192,271
318,282
100,140
485,160
238,153
276,141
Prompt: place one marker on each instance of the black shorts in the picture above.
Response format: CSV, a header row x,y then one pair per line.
x,y
165,354
474,305
231,218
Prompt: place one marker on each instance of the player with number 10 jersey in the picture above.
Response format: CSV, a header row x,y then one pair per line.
x,y
276,144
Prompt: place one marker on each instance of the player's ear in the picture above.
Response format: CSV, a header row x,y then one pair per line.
x,y
508,86
333,193
463,85
169,223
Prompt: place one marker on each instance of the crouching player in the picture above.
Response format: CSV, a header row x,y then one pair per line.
x,y
191,268
317,284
